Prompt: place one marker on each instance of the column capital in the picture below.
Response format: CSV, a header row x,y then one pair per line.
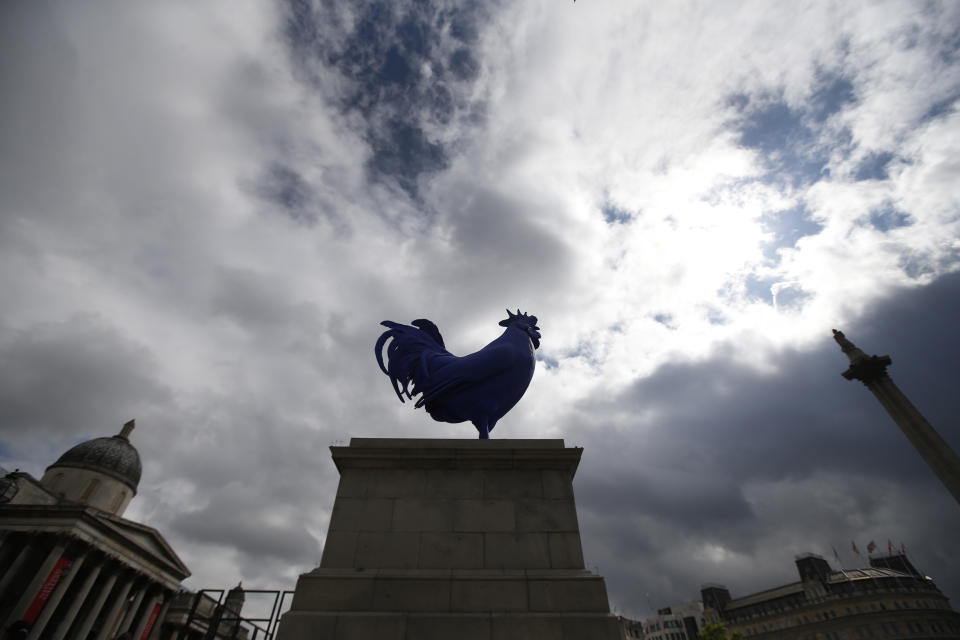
x,y
866,369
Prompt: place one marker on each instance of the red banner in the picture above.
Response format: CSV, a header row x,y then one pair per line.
x,y
150,622
46,589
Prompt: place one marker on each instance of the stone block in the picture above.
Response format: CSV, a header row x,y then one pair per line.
x,y
566,551
447,483
303,624
387,550
353,484
451,627
448,550
512,484
546,515
395,483
581,594
556,484
488,595
382,626
524,627
405,594
420,514
484,515
339,550
319,592
591,628
516,551
362,514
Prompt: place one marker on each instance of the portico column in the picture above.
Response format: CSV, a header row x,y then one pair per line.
x,y
115,608
90,616
69,617
54,600
155,633
129,617
17,564
145,616
30,592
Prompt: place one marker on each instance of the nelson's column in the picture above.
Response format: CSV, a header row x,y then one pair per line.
x,y
872,372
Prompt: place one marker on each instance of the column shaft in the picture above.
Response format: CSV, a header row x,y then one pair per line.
x,y
30,592
79,598
111,617
144,617
90,614
921,434
155,634
131,615
17,564
54,600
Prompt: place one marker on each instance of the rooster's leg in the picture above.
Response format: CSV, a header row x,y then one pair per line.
x,y
481,426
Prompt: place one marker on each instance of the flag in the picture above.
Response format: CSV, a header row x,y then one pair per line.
x,y
903,548
854,545
871,546
835,554
889,547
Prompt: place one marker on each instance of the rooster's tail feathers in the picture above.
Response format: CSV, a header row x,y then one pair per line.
x,y
408,353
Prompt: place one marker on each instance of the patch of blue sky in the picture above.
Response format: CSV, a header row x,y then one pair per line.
x,y
615,215
788,296
665,319
759,289
874,166
940,108
381,53
789,137
548,361
788,227
888,217
583,351
832,94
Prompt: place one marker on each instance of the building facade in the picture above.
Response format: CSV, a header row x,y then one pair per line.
x,y
676,622
71,566
889,599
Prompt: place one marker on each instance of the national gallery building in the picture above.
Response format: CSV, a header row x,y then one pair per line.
x,y
889,599
71,566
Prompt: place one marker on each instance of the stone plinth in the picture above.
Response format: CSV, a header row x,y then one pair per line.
x,y
439,539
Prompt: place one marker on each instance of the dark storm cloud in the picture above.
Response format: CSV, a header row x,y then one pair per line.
x,y
403,68
80,378
678,461
231,519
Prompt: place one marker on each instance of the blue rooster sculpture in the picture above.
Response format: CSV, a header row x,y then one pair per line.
x,y
481,387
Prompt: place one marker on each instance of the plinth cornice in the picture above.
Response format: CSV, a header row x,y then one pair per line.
x,y
428,453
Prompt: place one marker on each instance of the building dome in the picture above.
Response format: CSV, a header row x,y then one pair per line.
x,y
113,456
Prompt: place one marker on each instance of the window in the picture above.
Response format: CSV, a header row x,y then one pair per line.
x,y
91,488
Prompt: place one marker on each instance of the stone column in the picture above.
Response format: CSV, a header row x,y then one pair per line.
x,y
145,616
54,600
114,611
70,615
168,599
90,615
872,372
131,614
17,564
30,592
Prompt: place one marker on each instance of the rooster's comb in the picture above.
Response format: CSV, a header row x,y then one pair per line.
x,y
514,317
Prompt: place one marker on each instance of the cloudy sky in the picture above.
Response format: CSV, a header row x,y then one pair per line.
x,y
207,208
